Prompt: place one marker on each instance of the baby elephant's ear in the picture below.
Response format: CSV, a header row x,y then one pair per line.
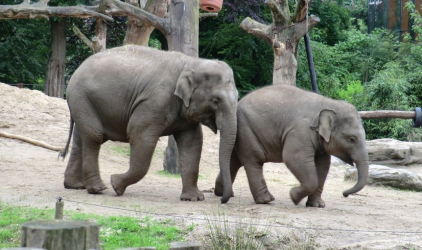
x,y
323,123
184,86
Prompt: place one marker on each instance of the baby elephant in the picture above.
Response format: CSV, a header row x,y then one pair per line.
x,y
302,129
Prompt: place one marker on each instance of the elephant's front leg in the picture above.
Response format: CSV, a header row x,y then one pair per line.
x,y
142,148
299,159
322,163
189,143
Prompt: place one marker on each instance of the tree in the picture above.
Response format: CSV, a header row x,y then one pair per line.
x,y
283,35
54,81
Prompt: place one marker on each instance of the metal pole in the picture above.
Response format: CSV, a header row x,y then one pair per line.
x,y
311,63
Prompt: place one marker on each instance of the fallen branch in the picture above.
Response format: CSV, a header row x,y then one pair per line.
x,y
29,140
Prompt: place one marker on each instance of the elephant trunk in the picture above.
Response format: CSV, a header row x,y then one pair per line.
x,y
227,125
362,167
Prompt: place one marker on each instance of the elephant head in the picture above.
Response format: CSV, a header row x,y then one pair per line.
x,y
210,97
344,137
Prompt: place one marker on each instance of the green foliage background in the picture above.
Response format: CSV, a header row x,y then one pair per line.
x,y
372,71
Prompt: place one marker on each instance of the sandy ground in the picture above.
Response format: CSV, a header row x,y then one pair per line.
x,y
375,218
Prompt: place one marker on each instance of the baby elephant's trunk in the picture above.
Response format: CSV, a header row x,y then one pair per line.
x,y
362,167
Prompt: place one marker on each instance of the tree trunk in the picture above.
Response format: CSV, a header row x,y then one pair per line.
x,y
138,32
54,82
184,17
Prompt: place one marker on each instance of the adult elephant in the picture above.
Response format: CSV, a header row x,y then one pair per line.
x,y
302,129
137,94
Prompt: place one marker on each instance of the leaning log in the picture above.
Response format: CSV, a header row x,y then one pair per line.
x,y
60,235
31,141
392,177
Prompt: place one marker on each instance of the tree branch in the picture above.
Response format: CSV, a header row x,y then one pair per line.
x,y
121,8
301,10
280,15
256,29
301,28
42,10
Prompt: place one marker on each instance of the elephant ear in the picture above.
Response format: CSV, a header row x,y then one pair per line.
x,y
323,123
184,86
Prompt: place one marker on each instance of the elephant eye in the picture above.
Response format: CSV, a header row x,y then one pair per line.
x,y
352,140
215,103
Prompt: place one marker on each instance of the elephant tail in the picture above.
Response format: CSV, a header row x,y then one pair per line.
x,y
63,153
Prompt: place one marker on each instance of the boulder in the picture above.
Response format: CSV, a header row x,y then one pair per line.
x,y
387,176
389,151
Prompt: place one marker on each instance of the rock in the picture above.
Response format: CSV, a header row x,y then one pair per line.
x,y
389,151
387,176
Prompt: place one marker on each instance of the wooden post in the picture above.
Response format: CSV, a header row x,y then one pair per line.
x,y
59,209
60,235
184,246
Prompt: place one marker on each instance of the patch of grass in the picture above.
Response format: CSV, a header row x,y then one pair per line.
x,y
115,231
167,174
243,233
11,219
124,150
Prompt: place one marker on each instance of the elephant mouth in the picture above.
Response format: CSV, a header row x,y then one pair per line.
x,y
210,122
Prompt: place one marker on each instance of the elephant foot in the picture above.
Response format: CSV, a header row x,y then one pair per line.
x,y
70,185
315,203
73,183
218,191
116,182
264,198
96,188
192,195
295,195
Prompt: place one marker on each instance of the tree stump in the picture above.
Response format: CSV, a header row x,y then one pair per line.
x,y
171,157
60,235
392,177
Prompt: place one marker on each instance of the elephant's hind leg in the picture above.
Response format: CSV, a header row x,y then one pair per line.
x,y
257,183
73,178
322,163
91,171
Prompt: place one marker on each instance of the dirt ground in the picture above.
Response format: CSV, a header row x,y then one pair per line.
x,y
375,218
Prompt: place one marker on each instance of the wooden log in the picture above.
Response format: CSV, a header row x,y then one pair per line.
x,y
387,114
184,246
60,235
32,141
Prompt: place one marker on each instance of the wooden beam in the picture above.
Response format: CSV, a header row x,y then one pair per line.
x,y
42,10
387,114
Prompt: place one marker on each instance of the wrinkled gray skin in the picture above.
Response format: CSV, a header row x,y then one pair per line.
x,y
136,94
302,129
